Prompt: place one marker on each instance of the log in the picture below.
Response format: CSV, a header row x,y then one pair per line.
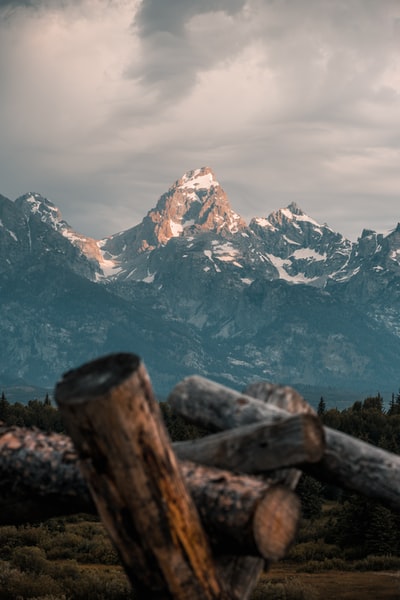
x,y
40,478
259,447
217,407
249,516
347,461
241,574
109,410
284,398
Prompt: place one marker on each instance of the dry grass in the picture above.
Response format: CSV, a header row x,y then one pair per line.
x,y
341,585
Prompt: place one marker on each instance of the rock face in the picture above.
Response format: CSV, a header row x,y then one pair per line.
x,y
194,289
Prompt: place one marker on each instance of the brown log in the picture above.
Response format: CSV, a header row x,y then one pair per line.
x,y
259,447
284,398
40,478
244,515
347,461
241,574
217,407
115,423
281,396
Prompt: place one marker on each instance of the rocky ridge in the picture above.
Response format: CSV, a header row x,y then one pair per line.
x,y
193,288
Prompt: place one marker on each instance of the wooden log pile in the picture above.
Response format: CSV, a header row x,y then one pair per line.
x,y
198,519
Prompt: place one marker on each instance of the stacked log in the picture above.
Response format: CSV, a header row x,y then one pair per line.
x,y
198,519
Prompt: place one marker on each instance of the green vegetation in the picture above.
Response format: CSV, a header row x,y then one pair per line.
x,y
72,557
36,413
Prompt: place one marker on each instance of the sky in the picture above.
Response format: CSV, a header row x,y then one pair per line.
x,y
105,103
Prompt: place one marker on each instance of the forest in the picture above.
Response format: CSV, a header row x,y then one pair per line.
x,y
71,557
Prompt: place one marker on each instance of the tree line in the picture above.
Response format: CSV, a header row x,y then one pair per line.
x,y
356,527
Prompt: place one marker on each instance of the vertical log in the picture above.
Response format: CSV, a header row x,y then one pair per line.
x,y
241,574
126,456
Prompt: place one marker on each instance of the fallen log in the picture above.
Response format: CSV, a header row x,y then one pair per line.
x,y
259,447
40,478
347,461
287,399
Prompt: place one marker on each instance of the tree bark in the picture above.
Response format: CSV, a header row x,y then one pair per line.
x,y
347,461
283,398
241,573
244,515
217,407
115,422
259,447
40,478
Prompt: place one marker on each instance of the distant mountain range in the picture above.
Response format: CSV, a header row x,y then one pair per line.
x,y
194,289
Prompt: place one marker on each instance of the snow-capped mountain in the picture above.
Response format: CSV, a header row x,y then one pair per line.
x,y
32,227
193,288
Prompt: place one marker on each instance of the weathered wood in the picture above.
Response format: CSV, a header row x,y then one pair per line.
x,y
347,461
244,515
217,407
110,412
40,478
284,398
241,574
259,447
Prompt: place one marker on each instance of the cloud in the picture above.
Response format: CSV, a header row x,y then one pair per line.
x,y
180,39
105,103
156,16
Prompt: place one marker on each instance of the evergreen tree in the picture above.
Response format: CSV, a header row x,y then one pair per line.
x,y
311,495
321,407
4,408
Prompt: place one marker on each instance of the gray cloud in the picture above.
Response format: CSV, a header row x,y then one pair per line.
x,y
104,104
181,38
155,16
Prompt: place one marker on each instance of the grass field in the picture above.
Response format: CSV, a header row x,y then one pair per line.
x,y
335,585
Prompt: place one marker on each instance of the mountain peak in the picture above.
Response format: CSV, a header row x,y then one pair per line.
x,y
292,214
33,204
196,200
294,209
198,179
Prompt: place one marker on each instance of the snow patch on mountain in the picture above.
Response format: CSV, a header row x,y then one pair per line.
x,y
203,178
308,254
281,264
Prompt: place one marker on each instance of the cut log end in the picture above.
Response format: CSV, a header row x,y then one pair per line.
x,y
96,378
274,535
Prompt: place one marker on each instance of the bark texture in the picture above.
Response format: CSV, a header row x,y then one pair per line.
x,y
135,480
347,461
259,447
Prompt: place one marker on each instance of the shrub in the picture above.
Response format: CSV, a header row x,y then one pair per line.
x,y
288,589
29,559
313,551
14,584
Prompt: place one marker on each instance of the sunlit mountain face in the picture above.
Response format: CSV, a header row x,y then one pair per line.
x,y
194,288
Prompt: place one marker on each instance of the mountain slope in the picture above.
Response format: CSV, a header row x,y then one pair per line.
x,y
194,289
